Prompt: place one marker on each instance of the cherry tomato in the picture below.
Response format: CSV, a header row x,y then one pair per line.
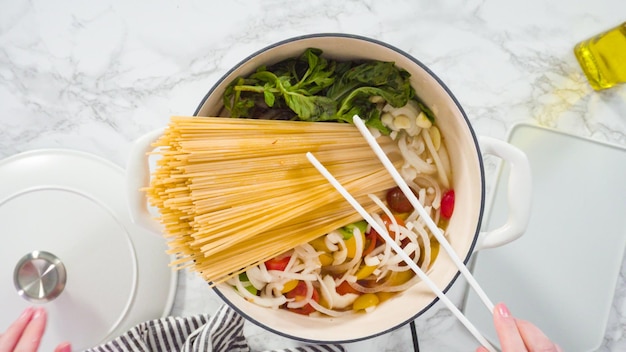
x,y
387,221
278,263
397,201
344,288
299,293
447,204
371,242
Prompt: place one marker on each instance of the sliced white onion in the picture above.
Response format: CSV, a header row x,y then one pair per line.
x,y
306,251
263,272
445,160
295,276
331,241
413,159
427,250
329,312
394,227
256,277
354,262
371,260
271,302
327,286
385,288
422,196
350,278
399,268
292,261
334,299
410,247
273,289
443,175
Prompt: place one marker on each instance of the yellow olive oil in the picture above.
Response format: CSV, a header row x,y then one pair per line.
x,y
603,58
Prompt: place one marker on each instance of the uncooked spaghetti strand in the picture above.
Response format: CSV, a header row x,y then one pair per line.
x,y
237,191
378,180
221,123
224,224
266,247
224,178
255,150
275,239
273,161
182,151
260,178
253,215
317,217
251,140
296,233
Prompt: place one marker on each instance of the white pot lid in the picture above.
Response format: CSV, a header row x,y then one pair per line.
x,y
69,244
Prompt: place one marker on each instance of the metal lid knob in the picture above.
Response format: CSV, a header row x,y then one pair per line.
x,y
39,277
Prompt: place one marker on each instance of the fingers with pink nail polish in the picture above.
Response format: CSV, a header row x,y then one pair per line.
x,y
12,336
519,335
26,332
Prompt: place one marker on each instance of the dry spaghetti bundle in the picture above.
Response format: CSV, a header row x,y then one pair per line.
x,y
233,193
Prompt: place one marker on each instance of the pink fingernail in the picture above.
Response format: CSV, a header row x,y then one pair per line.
x,y
65,347
26,314
503,310
39,312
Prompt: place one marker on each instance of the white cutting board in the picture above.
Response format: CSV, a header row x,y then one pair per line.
x,y
561,274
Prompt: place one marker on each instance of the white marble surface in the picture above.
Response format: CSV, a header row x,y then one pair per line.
x,y
95,75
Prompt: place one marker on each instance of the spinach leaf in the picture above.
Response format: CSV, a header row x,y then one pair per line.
x,y
296,81
374,74
311,87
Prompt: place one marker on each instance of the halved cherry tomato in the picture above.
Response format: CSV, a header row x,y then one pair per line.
x,y
447,204
278,263
387,221
344,288
298,294
370,241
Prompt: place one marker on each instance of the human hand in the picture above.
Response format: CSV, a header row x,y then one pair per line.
x,y
518,335
25,334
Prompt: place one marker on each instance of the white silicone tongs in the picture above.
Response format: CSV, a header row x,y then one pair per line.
x,y
429,222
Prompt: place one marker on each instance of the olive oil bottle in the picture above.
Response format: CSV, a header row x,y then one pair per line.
x,y
603,58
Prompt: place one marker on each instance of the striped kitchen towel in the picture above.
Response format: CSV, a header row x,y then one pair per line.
x,y
199,333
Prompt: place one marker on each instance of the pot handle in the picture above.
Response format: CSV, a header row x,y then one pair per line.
x,y
137,177
519,189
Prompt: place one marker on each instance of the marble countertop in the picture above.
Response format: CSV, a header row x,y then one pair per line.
x,y
95,75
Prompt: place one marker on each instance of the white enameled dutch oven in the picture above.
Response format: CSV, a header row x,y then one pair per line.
x,y
466,153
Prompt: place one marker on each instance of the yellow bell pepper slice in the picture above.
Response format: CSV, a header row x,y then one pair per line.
x,y
365,271
289,285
